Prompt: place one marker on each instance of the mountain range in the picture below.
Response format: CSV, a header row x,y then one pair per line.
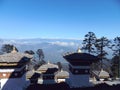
x,y
53,49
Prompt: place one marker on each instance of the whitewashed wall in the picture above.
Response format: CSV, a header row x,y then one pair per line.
x,y
14,83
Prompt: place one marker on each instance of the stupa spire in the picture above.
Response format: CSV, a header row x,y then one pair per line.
x,y
79,50
14,50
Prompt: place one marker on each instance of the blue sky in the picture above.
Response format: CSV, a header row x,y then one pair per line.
x,y
59,18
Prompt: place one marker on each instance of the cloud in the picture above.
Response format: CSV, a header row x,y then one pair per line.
x,y
64,43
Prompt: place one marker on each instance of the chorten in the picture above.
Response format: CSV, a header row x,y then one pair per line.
x,y
79,68
13,70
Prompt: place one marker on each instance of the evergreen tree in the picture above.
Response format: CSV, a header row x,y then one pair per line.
x,y
40,54
116,46
7,48
89,42
29,52
101,44
59,65
116,53
115,66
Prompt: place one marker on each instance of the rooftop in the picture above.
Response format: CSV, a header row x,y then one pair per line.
x,y
77,57
14,57
62,74
47,66
101,74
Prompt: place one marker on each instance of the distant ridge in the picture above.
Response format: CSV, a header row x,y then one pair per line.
x,y
52,48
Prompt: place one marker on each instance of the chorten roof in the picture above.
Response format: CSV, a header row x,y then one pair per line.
x,y
48,68
80,57
77,58
101,74
14,57
62,74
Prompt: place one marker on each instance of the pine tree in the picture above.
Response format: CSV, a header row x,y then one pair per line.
x,y
116,54
40,54
7,48
89,42
101,44
29,52
116,46
115,66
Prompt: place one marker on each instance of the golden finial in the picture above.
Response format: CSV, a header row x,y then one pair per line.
x,y
79,50
14,50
